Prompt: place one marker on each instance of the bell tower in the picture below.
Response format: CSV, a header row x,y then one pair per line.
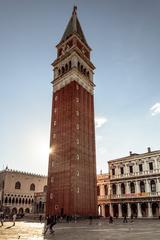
x,y
72,161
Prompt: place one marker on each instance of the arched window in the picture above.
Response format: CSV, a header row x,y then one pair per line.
x,y
142,187
84,71
114,189
45,188
27,210
13,200
32,187
20,201
123,188
16,200
9,200
98,191
70,64
59,71
88,74
78,65
26,201
82,68
23,201
66,67
153,186
17,185
132,187
106,189
63,70
29,202
6,200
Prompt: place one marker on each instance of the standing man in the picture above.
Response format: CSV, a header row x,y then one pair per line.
x,y
14,218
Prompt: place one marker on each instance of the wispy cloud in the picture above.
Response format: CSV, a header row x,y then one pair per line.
x,y
155,109
100,121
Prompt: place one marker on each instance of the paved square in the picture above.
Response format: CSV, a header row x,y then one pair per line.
x,y
98,230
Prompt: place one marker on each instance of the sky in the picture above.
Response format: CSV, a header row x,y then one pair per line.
x,y
125,39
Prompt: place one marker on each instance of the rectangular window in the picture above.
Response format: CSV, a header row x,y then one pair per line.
x,y
131,169
54,123
52,179
122,170
52,163
77,113
77,156
140,168
77,87
77,140
51,195
113,171
54,136
77,126
77,173
55,110
56,97
151,166
77,99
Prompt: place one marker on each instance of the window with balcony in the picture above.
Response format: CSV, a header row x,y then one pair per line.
x,y
131,169
140,168
151,166
106,189
17,185
114,189
122,170
142,187
132,187
123,188
153,186
32,187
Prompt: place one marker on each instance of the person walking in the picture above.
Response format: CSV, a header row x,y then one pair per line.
x,y
2,219
47,224
125,219
110,219
132,218
14,218
53,222
40,218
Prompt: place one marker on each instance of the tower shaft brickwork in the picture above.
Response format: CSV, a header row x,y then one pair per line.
x,y
72,162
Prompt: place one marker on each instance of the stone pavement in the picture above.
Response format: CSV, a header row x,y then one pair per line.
x,y
98,230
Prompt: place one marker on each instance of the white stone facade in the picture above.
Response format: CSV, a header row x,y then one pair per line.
x,y
134,186
17,190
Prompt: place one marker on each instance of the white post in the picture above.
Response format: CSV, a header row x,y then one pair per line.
x,y
119,210
139,210
103,210
137,187
129,210
127,187
148,190
111,209
149,210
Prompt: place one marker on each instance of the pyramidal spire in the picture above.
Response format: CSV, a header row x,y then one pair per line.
x,y
74,27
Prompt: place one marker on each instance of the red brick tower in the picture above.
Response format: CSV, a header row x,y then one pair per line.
x,y
72,162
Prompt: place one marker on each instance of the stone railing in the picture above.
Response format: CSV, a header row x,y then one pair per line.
x,y
135,195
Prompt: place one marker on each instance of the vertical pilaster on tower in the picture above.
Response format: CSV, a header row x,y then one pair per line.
x,y
72,162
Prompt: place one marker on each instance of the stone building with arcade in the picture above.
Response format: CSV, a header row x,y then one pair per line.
x,y
18,190
131,187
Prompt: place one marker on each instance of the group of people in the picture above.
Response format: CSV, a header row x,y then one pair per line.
x,y
124,219
2,218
